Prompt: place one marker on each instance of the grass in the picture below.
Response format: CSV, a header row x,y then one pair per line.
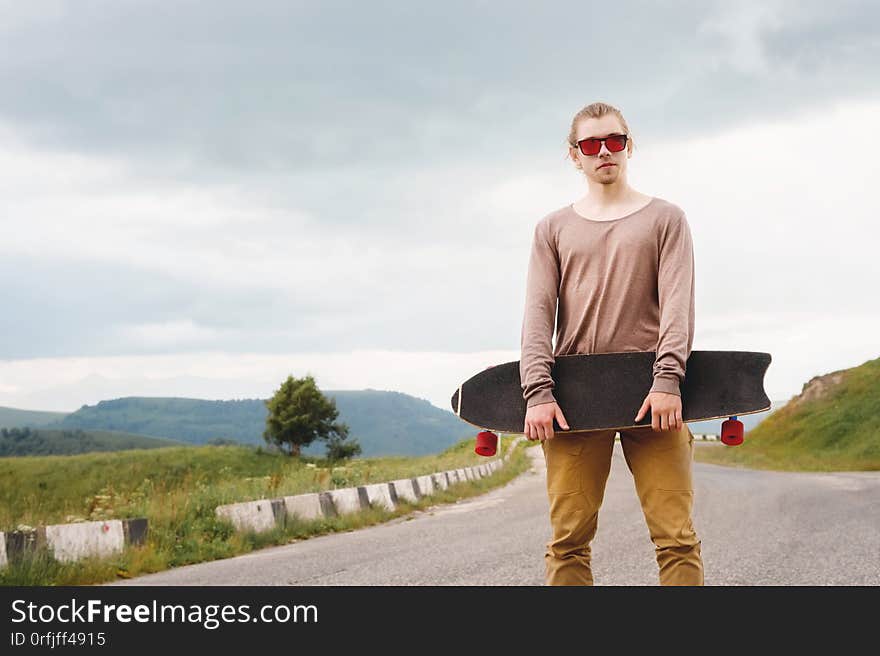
x,y
754,455
178,489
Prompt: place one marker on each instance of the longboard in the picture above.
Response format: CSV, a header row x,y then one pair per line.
x,y
602,391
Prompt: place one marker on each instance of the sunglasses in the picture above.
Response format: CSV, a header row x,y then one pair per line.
x,y
614,143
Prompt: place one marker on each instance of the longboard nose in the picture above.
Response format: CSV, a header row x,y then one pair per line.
x,y
455,406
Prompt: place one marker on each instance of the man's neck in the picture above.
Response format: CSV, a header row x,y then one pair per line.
x,y
599,200
610,195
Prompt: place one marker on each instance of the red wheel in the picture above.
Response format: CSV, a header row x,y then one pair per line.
x,y
487,443
732,432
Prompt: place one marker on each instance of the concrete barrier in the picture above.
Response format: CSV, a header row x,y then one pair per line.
x,y
70,542
426,485
379,496
257,515
303,506
346,500
404,489
254,515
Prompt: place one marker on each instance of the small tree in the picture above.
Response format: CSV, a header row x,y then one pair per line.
x,y
339,449
299,414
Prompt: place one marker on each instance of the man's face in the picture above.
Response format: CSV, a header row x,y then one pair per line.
x,y
592,165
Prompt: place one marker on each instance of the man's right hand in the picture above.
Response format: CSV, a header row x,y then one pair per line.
x,y
539,421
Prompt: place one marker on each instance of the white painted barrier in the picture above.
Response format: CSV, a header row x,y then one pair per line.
x,y
345,500
303,506
379,495
404,489
426,485
70,542
249,515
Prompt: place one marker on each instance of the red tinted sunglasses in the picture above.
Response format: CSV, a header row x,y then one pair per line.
x,y
614,143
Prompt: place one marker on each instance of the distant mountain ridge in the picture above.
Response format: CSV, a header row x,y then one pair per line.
x,y
385,423
12,417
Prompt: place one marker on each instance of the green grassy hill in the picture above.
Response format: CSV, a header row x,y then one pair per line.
x,y
383,422
832,425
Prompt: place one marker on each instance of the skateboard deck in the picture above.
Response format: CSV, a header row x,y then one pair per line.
x,y
603,391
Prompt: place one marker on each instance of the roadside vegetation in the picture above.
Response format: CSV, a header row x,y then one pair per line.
x,y
178,488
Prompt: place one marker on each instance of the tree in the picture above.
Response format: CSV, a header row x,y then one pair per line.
x,y
299,414
339,449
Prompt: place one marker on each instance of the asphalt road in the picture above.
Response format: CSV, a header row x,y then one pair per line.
x,y
756,527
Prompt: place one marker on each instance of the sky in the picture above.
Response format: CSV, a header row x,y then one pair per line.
x,y
200,199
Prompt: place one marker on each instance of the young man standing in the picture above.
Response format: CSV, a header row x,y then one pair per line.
x,y
620,265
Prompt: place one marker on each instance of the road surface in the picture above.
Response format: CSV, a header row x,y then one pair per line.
x,y
756,528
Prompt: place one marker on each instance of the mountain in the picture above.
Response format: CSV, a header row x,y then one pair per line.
x,y
12,417
383,422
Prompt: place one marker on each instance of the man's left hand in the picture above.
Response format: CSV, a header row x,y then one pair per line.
x,y
665,410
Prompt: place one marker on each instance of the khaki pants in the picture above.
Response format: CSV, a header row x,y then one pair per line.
x,y
578,464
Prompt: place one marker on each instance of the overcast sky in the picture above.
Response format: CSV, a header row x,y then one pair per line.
x,y
201,198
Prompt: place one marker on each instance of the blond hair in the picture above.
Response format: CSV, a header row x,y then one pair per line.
x,y
597,110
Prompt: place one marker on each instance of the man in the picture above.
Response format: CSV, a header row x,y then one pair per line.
x,y
620,264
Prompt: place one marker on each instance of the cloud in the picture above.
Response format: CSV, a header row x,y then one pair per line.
x,y
338,178
292,88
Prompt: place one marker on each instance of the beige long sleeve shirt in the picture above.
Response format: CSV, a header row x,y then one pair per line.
x,y
621,285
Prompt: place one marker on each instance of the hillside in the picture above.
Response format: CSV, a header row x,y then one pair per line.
x,y
833,424
383,422
12,417
43,442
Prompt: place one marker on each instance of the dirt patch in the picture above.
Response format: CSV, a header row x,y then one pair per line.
x,y
818,387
